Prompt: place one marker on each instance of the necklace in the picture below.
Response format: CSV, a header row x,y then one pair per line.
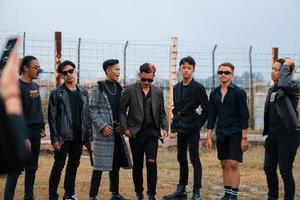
x,y
111,93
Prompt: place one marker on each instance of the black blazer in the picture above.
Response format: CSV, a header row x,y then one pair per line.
x,y
286,102
131,108
185,116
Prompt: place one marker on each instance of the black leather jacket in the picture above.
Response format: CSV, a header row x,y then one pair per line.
x,y
286,102
60,116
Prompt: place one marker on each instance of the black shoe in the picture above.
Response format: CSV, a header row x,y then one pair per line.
x,y
118,197
179,193
73,197
196,194
139,197
223,198
151,197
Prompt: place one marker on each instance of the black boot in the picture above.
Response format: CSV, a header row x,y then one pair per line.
x,y
151,197
179,193
139,196
196,194
117,196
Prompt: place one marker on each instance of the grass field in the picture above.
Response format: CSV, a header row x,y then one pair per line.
x,y
253,182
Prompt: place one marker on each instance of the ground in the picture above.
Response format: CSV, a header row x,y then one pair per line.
x,y
253,182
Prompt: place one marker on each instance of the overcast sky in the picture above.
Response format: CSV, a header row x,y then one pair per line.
x,y
237,23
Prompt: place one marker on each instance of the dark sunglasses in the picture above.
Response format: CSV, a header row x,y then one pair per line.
x,y
149,80
65,73
224,72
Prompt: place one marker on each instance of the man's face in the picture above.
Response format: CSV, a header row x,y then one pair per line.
x,y
146,79
69,74
113,72
225,74
32,69
187,70
275,74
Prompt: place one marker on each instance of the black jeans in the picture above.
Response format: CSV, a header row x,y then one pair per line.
x,y
73,149
191,140
280,151
147,146
113,175
30,171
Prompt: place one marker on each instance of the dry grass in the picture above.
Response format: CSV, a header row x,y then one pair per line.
x,y
253,183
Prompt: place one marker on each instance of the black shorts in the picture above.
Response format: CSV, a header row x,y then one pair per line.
x,y
230,148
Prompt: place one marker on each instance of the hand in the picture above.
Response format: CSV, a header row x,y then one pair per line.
x,y
164,134
28,144
128,133
9,85
244,144
56,146
172,134
208,144
119,129
108,131
43,133
288,62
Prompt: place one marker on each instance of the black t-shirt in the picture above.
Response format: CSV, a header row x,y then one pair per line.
x,y
148,120
76,105
113,93
276,126
32,107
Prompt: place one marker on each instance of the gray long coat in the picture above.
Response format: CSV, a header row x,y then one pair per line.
x,y
101,115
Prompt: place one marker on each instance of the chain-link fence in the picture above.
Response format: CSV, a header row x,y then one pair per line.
x,y
89,55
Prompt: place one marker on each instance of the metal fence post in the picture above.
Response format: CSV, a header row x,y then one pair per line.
x,y
78,61
251,96
213,68
125,52
24,44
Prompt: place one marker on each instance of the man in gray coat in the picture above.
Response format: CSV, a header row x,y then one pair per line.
x,y
143,123
111,151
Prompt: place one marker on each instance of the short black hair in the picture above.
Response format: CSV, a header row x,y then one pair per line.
x,y
147,68
189,60
26,62
108,63
63,64
227,64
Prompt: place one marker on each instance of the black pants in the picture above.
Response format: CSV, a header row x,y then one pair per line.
x,y
73,149
113,175
30,171
191,140
149,147
280,151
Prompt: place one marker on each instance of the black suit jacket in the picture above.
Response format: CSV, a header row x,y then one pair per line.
x,y
186,119
131,108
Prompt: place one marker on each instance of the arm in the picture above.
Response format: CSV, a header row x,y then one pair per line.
x,y
212,113
125,100
243,109
162,113
203,99
285,81
52,117
95,110
244,116
88,122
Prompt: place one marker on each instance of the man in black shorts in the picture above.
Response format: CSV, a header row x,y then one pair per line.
x,y
228,106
